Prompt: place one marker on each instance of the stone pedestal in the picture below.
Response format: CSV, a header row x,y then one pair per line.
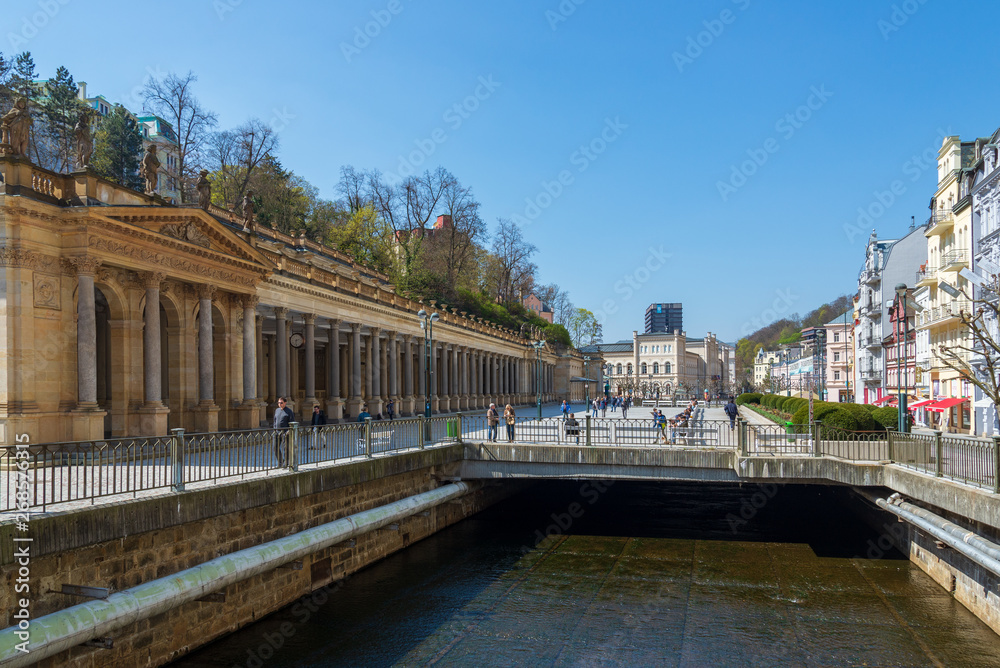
x,y
153,420
353,408
249,414
206,418
375,406
88,423
407,406
334,410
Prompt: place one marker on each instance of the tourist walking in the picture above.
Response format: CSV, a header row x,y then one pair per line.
x,y
565,410
390,408
732,411
625,409
318,420
661,427
492,420
283,417
604,408
510,417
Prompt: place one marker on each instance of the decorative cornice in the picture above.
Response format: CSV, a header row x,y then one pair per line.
x,y
82,265
20,258
163,260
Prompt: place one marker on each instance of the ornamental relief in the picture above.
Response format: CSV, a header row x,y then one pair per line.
x,y
164,260
45,289
187,232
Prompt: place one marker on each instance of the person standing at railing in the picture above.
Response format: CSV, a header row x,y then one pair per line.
x,y
510,417
318,420
565,410
492,420
573,428
283,417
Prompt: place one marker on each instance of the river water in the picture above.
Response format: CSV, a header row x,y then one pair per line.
x,y
632,574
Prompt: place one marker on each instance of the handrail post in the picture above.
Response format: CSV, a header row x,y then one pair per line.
x,y
293,448
815,438
177,459
368,437
422,426
458,427
741,437
586,420
938,455
996,464
891,442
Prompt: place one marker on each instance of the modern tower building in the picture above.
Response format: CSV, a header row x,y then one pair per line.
x,y
664,318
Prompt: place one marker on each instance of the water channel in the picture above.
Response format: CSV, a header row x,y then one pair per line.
x,y
633,574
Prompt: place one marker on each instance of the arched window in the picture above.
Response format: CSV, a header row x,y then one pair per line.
x,y
656,367
643,367
619,372
668,367
628,369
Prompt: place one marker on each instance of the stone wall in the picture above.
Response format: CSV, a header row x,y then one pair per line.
x,y
127,544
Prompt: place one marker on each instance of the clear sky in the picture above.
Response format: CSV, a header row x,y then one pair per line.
x,y
710,153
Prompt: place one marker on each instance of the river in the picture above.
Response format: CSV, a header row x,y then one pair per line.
x,y
631,574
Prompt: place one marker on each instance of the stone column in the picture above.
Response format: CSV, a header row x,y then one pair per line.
x,y
249,410
463,376
394,371
272,372
310,334
421,406
374,358
206,412
355,401
444,387
281,353
407,408
88,418
258,330
334,405
434,388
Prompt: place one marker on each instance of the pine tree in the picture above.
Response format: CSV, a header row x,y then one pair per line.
x,y
118,149
61,110
23,76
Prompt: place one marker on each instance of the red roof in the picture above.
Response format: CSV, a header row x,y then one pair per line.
x,y
944,404
921,403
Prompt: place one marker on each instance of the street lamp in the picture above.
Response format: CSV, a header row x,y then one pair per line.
x,y
538,345
586,385
427,324
903,425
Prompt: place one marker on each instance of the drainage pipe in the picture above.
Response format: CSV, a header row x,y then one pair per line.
x,y
59,631
974,547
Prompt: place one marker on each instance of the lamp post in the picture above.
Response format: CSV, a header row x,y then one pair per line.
x,y
901,327
586,385
427,324
538,345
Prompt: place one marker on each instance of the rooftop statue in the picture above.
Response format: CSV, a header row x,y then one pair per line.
x,y
204,187
16,129
150,167
248,217
83,141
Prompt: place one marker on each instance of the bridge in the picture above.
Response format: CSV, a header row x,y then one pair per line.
x,y
352,493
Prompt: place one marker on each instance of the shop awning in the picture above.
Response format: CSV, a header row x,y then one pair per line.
x,y
942,405
920,404
879,402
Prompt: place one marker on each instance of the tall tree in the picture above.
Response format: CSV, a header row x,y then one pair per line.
x,y
235,155
282,200
61,109
173,99
511,270
118,149
584,329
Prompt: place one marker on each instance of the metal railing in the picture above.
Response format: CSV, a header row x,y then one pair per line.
x,y
973,461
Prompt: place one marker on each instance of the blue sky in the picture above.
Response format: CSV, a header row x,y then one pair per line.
x,y
710,153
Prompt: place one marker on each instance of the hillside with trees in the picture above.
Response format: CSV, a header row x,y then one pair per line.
x,y
784,332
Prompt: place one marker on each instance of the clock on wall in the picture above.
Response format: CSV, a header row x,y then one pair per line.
x,y
296,340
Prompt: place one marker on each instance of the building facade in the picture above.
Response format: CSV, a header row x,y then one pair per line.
x,y
839,358
123,316
538,307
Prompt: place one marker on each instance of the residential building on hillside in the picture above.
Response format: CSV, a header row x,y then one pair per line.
x,y
949,237
839,358
888,262
540,308
900,350
762,366
664,318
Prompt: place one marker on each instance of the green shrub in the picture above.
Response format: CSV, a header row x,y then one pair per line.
x,y
863,417
887,416
868,407
793,404
767,401
836,421
748,398
820,409
779,402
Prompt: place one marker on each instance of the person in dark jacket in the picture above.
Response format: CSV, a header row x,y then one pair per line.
x,y
283,418
573,428
732,411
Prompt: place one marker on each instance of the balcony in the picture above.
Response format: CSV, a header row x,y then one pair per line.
x,y
945,314
941,222
955,260
927,276
871,375
869,276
